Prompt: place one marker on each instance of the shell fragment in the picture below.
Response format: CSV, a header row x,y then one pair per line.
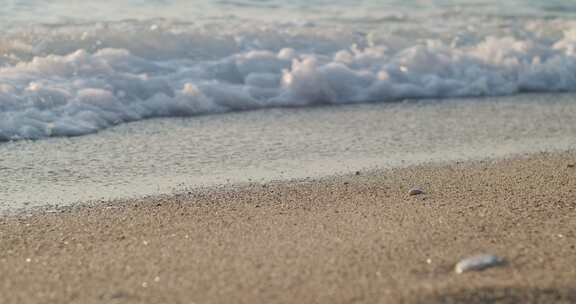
x,y
415,191
479,262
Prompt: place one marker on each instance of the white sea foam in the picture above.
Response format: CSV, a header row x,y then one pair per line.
x,y
77,78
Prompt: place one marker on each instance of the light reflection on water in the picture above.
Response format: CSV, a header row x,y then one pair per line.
x,y
57,11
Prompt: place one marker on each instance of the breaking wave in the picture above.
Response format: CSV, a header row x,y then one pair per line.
x,y
75,79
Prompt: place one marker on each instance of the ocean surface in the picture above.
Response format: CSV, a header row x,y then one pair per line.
x,y
110,99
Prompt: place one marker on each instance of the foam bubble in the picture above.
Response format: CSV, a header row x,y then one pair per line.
x,y
78,79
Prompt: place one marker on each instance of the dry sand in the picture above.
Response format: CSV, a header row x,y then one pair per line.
x,y
351,239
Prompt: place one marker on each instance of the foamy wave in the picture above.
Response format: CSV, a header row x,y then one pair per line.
x,y
79,81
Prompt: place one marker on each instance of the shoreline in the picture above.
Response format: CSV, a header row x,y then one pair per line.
x,y
345,175
341,239
159,156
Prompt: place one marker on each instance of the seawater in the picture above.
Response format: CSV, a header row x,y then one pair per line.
x,y
163,156
70,68
116,99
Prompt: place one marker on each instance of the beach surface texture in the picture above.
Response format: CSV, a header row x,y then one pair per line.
x,y
347,239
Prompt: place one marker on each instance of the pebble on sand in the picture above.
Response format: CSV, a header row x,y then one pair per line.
x,y
415,191
479,262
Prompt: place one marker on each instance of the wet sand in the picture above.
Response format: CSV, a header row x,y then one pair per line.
x,y
347,239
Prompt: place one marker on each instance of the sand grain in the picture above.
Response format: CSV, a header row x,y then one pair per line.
x,y
352,239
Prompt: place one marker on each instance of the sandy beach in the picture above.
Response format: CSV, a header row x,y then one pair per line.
x,y
250,151
349,239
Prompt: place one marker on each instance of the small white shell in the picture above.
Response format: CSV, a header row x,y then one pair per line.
x,y
479,262
415,191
